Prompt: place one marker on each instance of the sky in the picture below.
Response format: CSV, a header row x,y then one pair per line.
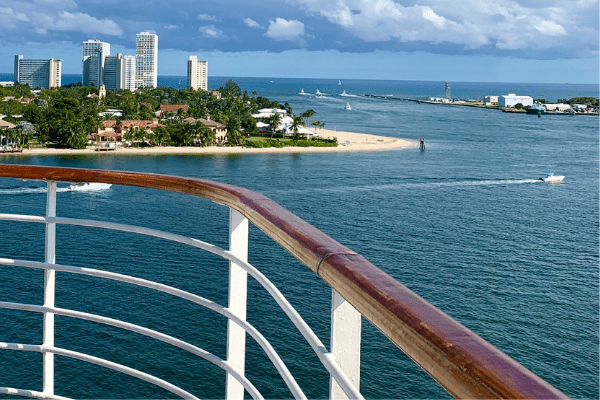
x,y
537,41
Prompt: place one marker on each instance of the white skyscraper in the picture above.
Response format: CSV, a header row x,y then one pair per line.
x,y
146,59
128,73
94,56
197,74
43,74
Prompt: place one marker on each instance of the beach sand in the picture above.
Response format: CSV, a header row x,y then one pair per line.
x,y
347,141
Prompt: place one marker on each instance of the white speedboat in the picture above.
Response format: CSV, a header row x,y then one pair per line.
x,y
347,107
344,94
89,186
550,177
302,92
318,93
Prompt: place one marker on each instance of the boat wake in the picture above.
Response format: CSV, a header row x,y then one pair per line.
x,y
86,187
422,185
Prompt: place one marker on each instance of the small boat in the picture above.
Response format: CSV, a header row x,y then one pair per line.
x,y
347,107
339,82
344,94
89,187
550,177
318,93
302,92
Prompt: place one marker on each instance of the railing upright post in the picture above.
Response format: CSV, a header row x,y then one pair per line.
x,y
238,288
345,343
49,289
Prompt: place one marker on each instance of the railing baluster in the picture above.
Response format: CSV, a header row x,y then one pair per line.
x,y
49,289
345,343
238,288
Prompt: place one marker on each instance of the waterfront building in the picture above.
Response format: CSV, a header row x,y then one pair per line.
x,y
94,58
490,101
512,99
44,74
146,57
197,74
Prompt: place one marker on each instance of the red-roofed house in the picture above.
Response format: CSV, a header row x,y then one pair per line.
x,y
172,108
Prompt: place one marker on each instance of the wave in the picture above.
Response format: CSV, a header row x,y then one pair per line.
x,y
86,187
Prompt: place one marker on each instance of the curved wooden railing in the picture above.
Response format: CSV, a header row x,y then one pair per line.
x,y
463,363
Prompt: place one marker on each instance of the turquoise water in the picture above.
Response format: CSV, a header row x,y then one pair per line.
x,y
465,224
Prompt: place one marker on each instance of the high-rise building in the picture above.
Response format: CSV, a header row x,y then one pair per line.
x,y
113,65
128,73
94,59
43,74
146,59
197,74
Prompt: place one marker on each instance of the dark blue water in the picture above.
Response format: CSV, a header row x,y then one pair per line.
x,y
464,224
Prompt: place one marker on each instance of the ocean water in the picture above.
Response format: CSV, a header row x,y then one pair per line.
x,y
465,224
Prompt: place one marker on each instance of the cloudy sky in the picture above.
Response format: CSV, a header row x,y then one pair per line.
x,y
460,40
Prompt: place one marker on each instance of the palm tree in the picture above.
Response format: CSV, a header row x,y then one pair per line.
x,y
275,119
316,124
307,115
296,123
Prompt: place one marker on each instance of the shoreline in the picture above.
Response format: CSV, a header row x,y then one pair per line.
x,y
356,142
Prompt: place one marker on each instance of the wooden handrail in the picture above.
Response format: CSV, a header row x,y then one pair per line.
x,y
463,363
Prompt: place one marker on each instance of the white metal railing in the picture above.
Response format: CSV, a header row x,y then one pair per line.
x,y
342,362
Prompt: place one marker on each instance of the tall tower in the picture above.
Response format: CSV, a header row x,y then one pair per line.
x,y
146,59
44,74
448,94
94,56
197,74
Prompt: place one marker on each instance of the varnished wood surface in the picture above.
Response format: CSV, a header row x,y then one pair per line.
x,y
462,362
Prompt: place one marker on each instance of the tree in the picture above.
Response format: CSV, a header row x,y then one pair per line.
x,y
307,115
296,123
249,126
316,124
231,89
519,106
233,130
274,119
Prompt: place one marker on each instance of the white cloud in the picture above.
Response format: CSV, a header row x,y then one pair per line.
x,y
66,21
505,24
9,18
211,31
171,27
206,17
283,30
252,23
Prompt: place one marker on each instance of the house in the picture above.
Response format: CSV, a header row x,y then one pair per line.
x,y
490,101
558,107
172,108
110,132
219,129
216,93
8,143
512,99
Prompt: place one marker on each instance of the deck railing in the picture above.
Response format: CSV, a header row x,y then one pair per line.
x,y
459,360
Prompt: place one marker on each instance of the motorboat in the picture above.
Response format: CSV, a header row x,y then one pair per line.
x,y
550,177
302,91
89,186
318,93
347,107
339,82
344,94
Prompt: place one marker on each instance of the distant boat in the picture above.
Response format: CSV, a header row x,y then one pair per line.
x,y
347,107
319,93
343,93
339,82
550,177
302,91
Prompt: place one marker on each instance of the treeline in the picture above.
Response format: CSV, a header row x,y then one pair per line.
x,y
590,101
65,116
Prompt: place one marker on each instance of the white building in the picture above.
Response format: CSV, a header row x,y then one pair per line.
x,y
490,101
44,74
146,59
512,99
197,74
119,72
94,58
558,107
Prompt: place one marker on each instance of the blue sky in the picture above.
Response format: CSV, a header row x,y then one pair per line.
x,y
459,40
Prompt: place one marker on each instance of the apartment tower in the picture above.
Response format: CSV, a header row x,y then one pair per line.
x,y
146,59
197,74
119,72
94,59
42,74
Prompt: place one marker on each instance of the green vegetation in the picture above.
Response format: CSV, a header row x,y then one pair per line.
x,y
590,101
64,117
262,142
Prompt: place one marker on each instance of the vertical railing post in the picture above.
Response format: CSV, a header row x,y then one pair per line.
x,y
238,288
49,290
345,343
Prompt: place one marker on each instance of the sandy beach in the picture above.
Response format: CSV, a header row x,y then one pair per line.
x,y
347,141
